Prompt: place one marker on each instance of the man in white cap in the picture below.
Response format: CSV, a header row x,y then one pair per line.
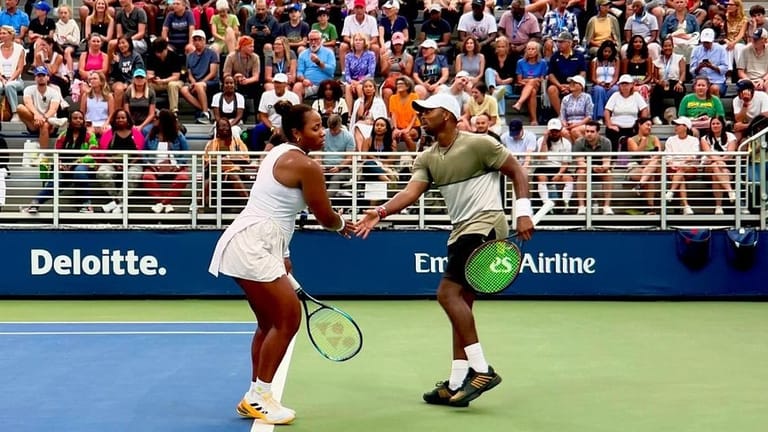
x,y
358,22
392,22
466,168
203,76
459,89
430,70
554,168
753,64
269,120
710,60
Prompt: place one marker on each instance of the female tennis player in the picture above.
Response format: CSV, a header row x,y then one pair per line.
x,y
254,251
465,167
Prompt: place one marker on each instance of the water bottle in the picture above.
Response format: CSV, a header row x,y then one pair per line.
x,y
30,154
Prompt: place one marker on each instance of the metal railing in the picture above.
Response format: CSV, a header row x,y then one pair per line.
x,y
128,189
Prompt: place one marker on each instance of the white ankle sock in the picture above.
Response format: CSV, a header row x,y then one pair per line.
x,y
476,358
459,369
258,387
567,191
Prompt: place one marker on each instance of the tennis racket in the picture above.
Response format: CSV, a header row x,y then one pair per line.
x,y
494,265
334,334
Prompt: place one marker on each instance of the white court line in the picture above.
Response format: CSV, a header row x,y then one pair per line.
x,y
124,322
120,333
278,385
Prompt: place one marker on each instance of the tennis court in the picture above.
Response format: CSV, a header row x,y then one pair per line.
x,y
567,366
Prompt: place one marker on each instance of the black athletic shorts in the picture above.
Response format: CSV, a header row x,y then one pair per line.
x,y
459,252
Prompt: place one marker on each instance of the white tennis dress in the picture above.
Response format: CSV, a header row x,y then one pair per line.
x,y
254,245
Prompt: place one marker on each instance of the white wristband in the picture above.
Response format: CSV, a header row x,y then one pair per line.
x,y
343,224
523,207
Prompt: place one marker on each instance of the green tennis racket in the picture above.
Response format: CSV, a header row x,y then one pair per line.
x,y
494,265
333,333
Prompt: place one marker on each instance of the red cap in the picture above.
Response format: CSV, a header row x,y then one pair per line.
x,y
360,3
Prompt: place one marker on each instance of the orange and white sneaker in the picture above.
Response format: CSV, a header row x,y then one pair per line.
x,y
266,409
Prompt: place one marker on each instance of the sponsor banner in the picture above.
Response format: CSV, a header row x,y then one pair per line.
x,y
389,263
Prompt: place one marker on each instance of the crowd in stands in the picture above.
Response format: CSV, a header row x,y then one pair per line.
x,y
600,74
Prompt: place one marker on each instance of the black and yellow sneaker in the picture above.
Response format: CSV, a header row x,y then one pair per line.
x,y
441,395
475,384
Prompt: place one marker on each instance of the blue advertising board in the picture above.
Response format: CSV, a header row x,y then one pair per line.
x,y
388,263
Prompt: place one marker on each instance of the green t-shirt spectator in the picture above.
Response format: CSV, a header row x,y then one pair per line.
x,y
329,32
693,107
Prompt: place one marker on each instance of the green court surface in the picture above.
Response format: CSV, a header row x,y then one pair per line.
x,y
567,366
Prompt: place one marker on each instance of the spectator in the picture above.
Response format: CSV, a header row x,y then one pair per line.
x,y
557,20
564,64
719,140
449,11
592,142
481,103
756,19
229,105
203,76
16,18
97,102
327,30
430,71
682,163
391,23
500,73
314,66
40,24
244,66
531,72
75,169
395,61
121,136
295,29
639,65
700,106
140,102
670,69
331,102
642,23
718,25
263,28
359,65
41,102
358,22
178,26
164,72
337,167
124,63
520,27
601,28
93,60
622,111
366,108
376,166
231,166
644,170
283,61
270,121
681,25
203,11
47,55
405,122
711,60
604,73
736,27
753,65
520,142
67,35
225,29
100,21
481,25
165,173
458,90
439,30
12,61
747,106
471,60
553,168
576,110
131,21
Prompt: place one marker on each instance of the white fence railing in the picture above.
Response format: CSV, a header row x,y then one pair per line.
x,y
125,189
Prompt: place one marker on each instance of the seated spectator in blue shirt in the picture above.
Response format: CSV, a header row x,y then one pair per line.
x,y
711,60
391,22
315,65
564,64
18,19
520,141
203,76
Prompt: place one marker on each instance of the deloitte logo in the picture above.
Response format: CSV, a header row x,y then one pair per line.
x,y
109,263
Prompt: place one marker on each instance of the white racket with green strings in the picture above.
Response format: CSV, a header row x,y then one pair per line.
x,y
495,264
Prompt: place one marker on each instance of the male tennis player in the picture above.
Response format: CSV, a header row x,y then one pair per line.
x,y
465,167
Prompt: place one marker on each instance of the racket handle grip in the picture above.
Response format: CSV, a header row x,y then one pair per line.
x,y
546,208
294,283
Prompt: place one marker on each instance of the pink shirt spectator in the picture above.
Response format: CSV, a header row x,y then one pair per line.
x,y
519,33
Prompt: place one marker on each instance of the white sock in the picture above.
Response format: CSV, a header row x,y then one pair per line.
x,y
459,369
476,358
567,191
258,387
543,192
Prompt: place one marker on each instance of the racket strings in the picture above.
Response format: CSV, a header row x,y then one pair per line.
x,y
493,267
334,334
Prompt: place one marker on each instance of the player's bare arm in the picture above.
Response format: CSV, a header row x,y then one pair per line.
x,y
512,169
413,190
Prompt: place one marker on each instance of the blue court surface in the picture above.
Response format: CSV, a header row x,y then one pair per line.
x,y
89,377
